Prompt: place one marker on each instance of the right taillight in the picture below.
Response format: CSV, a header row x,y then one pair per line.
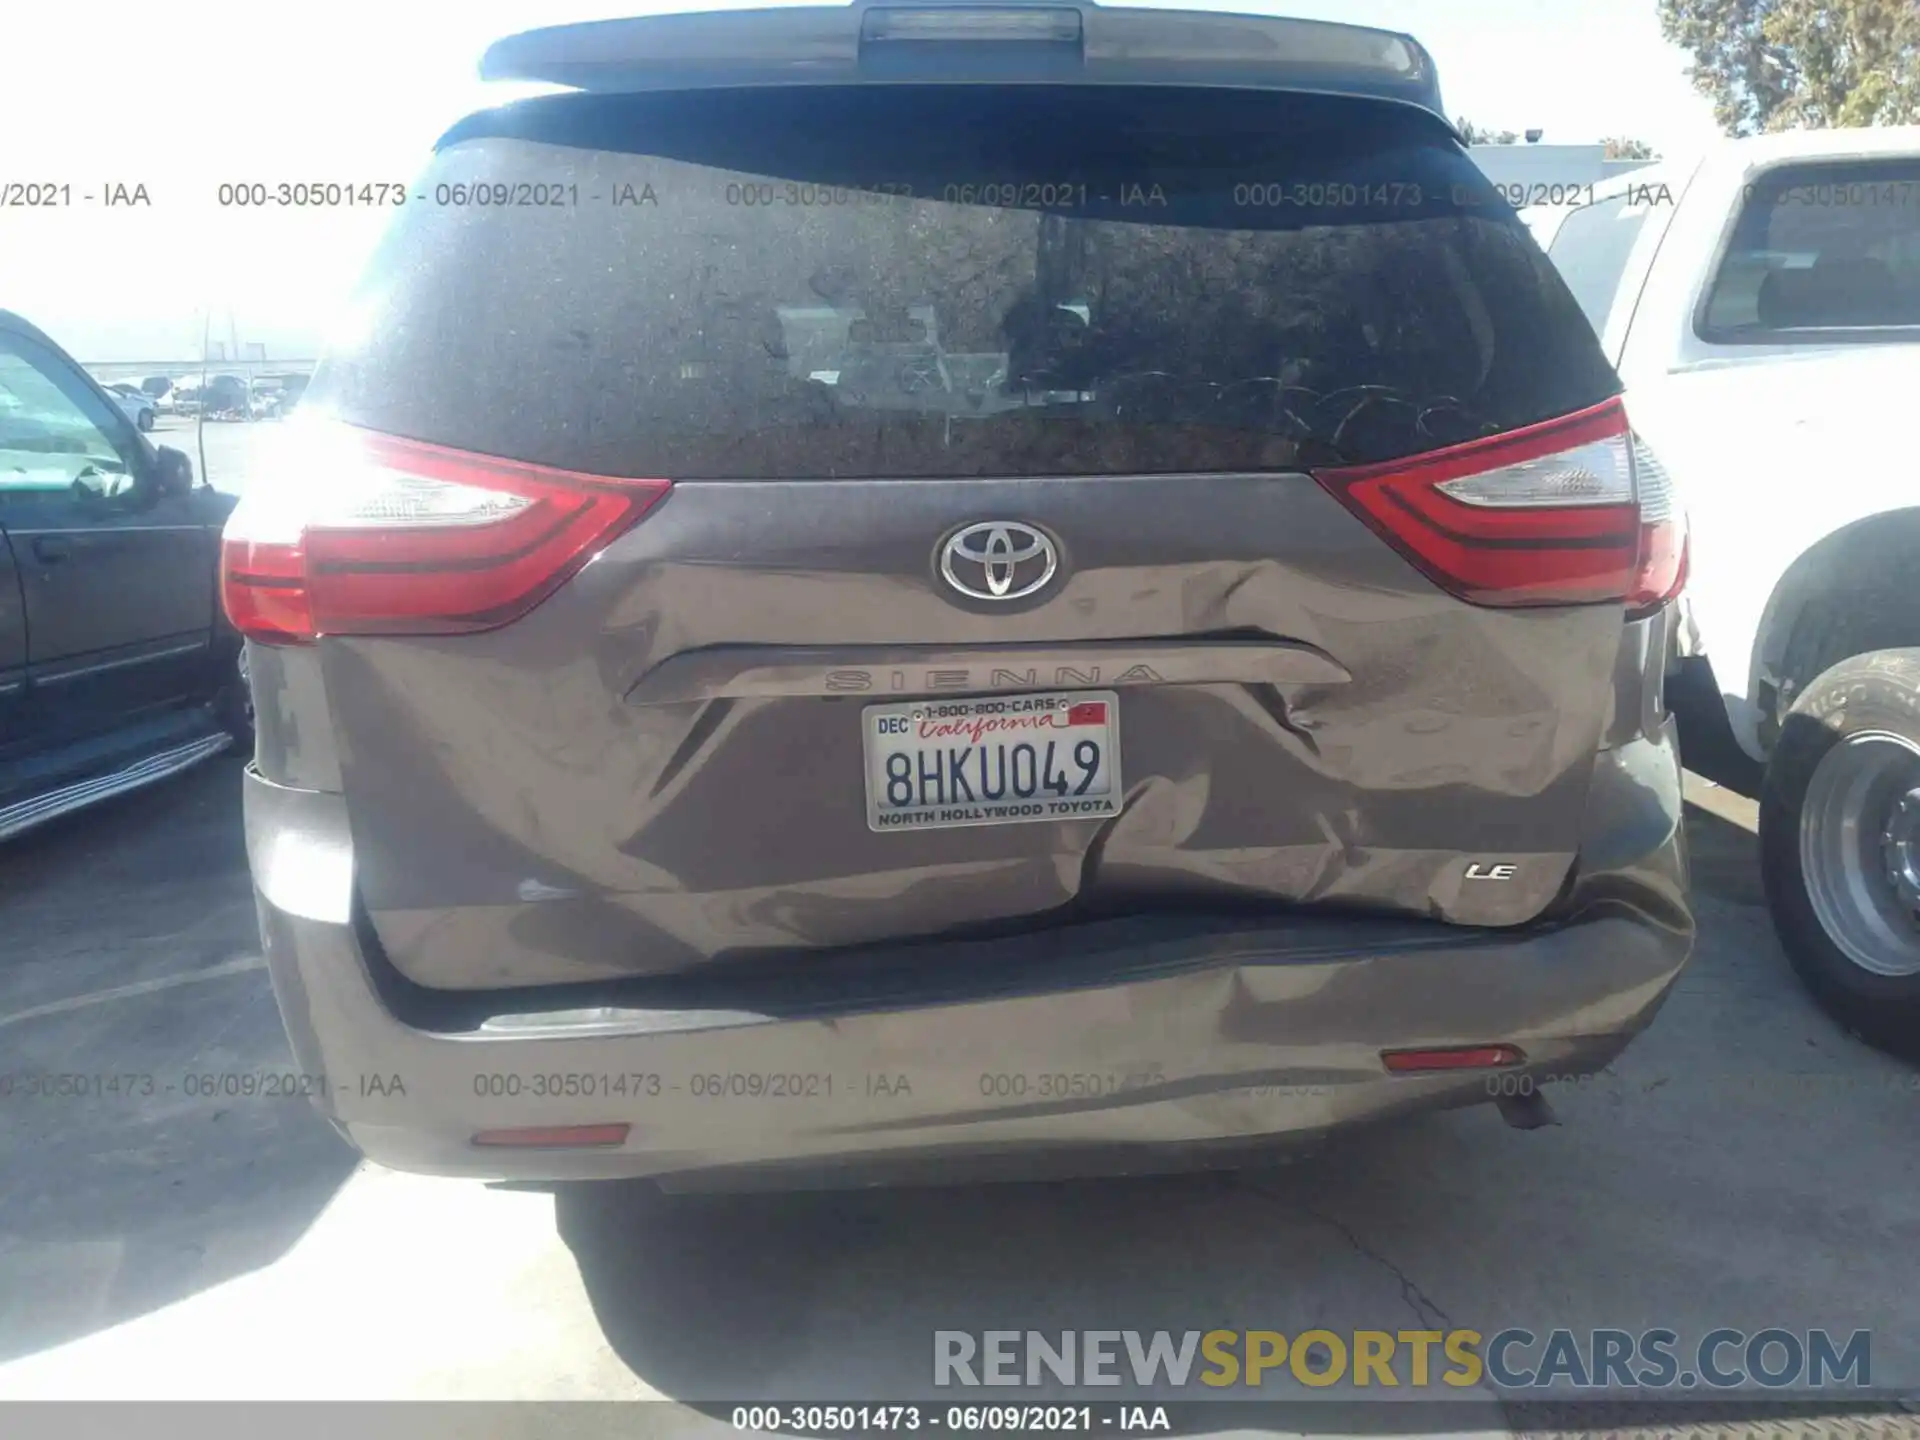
x,y
1662,568
1571,511
380,535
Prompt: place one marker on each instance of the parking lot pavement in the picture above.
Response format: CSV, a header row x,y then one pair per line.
x,y
1745,1164
236,451
130,985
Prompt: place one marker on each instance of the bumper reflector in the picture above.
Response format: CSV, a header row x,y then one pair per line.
x,y
1461,1057
555,1137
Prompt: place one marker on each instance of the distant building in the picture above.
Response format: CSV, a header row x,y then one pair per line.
x,y
1510,166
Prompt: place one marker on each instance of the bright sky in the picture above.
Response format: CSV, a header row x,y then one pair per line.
x,y
183,96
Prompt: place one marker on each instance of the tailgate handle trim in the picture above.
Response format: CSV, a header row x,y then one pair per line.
x,y
764,672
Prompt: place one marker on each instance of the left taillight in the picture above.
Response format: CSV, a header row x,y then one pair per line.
x,y
376,535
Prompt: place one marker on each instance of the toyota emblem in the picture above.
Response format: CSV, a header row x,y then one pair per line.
x,y
998,560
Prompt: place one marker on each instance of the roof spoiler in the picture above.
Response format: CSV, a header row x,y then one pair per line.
x,y
952,41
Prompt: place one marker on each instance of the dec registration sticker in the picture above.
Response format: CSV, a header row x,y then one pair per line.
x,y
936,764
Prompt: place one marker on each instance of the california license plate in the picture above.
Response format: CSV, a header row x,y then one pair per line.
x,y
934,764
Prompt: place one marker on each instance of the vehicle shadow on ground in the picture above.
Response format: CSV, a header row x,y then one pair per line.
x,y
143,1157
716,1301
1445,1221
1707,745
838,1295
1723,852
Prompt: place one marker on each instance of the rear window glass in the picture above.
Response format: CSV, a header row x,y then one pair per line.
x,y
1591,252
1821,254
956,281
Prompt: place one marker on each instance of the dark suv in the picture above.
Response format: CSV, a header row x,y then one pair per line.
x,y
931,590
116,666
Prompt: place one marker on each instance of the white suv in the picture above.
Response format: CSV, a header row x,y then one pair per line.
x,y
1762,306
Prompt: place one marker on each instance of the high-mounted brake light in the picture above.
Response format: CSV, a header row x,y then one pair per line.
x,y
1573,511
982,23
388,536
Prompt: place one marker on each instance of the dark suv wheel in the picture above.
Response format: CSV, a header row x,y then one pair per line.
x,y
1840,843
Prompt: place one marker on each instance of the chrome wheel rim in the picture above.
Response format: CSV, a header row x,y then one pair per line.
x,y
1860,850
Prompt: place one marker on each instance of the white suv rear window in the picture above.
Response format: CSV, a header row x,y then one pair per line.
x,y
1821,254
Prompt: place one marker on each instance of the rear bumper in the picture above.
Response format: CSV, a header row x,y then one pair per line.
x,y
1139,1051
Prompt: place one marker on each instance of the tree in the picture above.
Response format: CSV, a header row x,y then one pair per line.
x,y
1474,135
1792,64
1619,148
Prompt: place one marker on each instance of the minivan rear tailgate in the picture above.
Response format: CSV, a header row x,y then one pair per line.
x,y
851,325
663,763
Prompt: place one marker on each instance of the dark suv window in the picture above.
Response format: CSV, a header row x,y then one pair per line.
x,y
958,281
1821,253
56,434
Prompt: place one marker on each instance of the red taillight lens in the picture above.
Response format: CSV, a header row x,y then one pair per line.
x,y
263,586
1554,514
1662,571
380,535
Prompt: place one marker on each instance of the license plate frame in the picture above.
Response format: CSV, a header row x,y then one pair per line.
x,y
1016,719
